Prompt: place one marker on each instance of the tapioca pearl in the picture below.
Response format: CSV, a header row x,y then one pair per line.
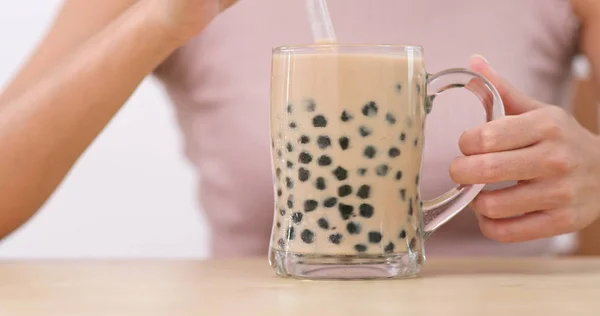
x,y
398,87
394,152
278,173
353,228
290,164
289,147
346,117
417,180
335,238
412,244
289,183
410,207
340,173
344,142
361,171
389,248
421,204
278,225
364,192
360,248
375,237
403,194
305,158
344,190
418,88
293,125
346,211
390,118
304,139
307,236
402,137
290,108
399,175
279,192
365,131
330,202
290,201
370,152
324,161
402,234
382,170
291,233
320,121
366,210
416,142
323,141
321,183
282,212
281,243
310,205
310,105
323,223
370,109
303,174
297,217
279,153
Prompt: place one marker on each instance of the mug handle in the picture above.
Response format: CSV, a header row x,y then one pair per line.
x,y
441,209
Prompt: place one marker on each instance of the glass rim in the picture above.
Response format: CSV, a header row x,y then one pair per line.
x,y
374,46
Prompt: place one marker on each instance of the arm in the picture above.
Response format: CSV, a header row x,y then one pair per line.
x,y
77,21
588,12
585,103
91,61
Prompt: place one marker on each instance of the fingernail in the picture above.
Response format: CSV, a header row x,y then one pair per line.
x,y
490,69
481,57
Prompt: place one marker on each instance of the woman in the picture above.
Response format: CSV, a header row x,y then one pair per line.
x,y
215,65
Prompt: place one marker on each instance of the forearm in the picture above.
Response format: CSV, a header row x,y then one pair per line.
x,y
45,130
586,102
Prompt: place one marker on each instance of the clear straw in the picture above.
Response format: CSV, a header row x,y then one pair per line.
x,y
320,21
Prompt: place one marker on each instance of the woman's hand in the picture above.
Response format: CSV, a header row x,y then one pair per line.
x,y
554,159
186,18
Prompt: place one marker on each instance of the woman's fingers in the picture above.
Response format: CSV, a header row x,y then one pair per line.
x,y
546,159
521,164
515,101
531,226
523,198
506,133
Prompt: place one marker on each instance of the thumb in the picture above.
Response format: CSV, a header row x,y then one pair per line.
x,y
515,102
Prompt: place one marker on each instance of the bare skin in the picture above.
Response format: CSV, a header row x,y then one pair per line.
x,y
555,160
98,52
89,64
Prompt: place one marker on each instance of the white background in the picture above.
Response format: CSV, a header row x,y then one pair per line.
x,y
131,194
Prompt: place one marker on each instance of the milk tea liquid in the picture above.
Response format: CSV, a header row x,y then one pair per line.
x,y
347,137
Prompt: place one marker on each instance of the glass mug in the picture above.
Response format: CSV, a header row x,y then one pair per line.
x,y
347,125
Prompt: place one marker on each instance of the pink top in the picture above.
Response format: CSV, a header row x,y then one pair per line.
x,y
220,85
